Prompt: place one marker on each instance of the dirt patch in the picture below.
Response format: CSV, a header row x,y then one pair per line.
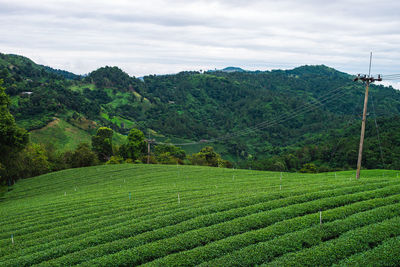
x,y
84,123
53,123
71,130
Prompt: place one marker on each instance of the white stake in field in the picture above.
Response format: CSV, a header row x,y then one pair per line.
x,y
320,217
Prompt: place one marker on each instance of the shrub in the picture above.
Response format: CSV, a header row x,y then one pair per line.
x,y
83,156
115,160
309,168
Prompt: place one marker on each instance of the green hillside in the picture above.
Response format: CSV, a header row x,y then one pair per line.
x,y
158,215
66,136
257,119
61,134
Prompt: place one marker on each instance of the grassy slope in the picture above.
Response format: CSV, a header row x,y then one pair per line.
x,y
61,134
65,136
131,215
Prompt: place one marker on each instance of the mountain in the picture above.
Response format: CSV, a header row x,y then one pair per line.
x,y
233,69
63,73
249,117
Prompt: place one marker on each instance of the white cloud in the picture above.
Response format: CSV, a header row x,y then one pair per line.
x,y
155,36
394,84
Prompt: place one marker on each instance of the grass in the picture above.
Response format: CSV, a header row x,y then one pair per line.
x,y
79,88
118,121
162,215
65,136
61,134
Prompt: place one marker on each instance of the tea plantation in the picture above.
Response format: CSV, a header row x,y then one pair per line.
x,y
128,215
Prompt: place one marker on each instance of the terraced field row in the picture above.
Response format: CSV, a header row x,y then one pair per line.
x,y
184,215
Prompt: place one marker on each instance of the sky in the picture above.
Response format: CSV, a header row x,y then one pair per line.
x,y
161,37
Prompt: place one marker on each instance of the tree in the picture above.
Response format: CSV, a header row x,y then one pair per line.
x,y
208,157
12,138
83,156
102,143
135,147
115,160
309,168
169,154
34,161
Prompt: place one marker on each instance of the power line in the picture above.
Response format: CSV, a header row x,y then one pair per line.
x,y
392,79
276,121
287,74
282,117
248,130
390,75
207,141
377,131
261,125
312,105
346,125
328,97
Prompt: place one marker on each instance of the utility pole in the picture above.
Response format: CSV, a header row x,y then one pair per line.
x,y
367,79
149,142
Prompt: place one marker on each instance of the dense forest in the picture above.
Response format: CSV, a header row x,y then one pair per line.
x,y
304,119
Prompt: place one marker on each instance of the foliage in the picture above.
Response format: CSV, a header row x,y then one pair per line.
x,y
81,157
169,154
135,147
309,168
102,143
304,112
12,138
112,77
115,160
63,73
339,150
33,161
208,157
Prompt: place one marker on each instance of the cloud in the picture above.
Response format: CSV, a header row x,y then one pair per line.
x,y
155,36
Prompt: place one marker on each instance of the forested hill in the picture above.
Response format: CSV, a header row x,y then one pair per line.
x,y
249,116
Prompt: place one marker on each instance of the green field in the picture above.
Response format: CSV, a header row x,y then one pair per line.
x,y
159,215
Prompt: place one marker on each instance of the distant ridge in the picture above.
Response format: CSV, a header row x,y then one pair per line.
x,y
66,74
233,69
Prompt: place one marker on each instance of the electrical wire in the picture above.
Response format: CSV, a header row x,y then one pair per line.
x,y
349,123
377,132
389,75
272,123
249,129
307,107
277,120
391,79
328,97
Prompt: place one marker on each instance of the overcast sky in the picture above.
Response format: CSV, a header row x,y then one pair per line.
x,y
158,37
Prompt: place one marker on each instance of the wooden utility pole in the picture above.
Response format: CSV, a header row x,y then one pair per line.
x,y
367,79
362,130
149,142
